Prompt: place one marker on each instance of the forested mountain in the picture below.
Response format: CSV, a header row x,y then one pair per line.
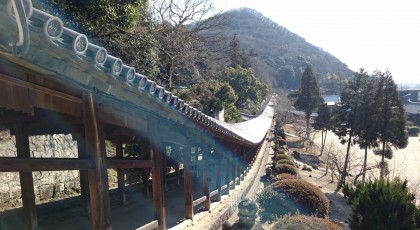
x,y
277,55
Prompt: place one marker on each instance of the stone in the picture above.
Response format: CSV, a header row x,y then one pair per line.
x,y
247,213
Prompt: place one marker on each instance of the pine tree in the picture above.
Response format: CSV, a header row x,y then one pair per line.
x,y
392,115
309,97
323,123
346,116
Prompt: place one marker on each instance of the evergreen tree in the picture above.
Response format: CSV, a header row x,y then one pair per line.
x,y
392,115
309,97
323,123
366,124
346,116
237,56
245,84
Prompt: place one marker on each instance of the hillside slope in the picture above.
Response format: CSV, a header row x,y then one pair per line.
x,y
281,55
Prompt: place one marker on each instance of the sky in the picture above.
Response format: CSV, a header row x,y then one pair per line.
x,y
367,34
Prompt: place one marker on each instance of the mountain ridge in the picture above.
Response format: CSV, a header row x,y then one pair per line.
x,y
281,54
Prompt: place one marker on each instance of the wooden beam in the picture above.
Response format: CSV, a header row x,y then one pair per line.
x,y
129,163
149,226
26,95
199,201
98,177
26,180
84,179
157,173
12,164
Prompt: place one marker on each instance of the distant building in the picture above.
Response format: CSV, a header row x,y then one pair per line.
x,y
413,112
410,95
331,100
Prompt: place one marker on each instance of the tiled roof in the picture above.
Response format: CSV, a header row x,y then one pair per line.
x,y
67,54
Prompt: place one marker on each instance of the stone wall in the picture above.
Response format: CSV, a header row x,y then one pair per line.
x,y
48,184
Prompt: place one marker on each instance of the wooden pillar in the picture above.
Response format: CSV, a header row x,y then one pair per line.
x,y
97,177
164,167
242,164
145,148
206,188
189,209
234,163
26,180
228,167
157,173
84,181
218,174
176,152
120,173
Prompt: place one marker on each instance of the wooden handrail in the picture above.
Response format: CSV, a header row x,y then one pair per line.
x,y
149,226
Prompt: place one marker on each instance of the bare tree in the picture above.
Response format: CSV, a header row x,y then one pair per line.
x,y
283,107
181,48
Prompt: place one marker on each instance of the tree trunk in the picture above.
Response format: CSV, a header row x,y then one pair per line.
x,y
382,160
323,140
344,172
307,127
364,167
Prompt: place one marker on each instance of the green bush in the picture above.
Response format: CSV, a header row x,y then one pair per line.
x,y
413,131
382,204
305,194
285,168
273,204
280,151
281,157
294,222
286,161
285,176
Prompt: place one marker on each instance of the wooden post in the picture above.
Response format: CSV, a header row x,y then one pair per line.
x,y
98,177
218,174
84,183
120,173
145,148
175,150
157,173
189,209
234,163
206,158
26,180
164,168
228,168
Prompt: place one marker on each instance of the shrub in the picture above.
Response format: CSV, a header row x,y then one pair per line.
x,y
285,168
273,204
383,204
285,176
280,151
413,131
282,142
286,161
292,222
306,194
281,157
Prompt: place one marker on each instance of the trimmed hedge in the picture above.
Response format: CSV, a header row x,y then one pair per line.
x,y
285,176
285,168
286,161
294,222
273,204
306,194
281,157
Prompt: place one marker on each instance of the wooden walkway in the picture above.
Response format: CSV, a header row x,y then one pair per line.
x,y
54,81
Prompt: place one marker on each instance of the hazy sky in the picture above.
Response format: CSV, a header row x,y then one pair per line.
x,y
361,33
